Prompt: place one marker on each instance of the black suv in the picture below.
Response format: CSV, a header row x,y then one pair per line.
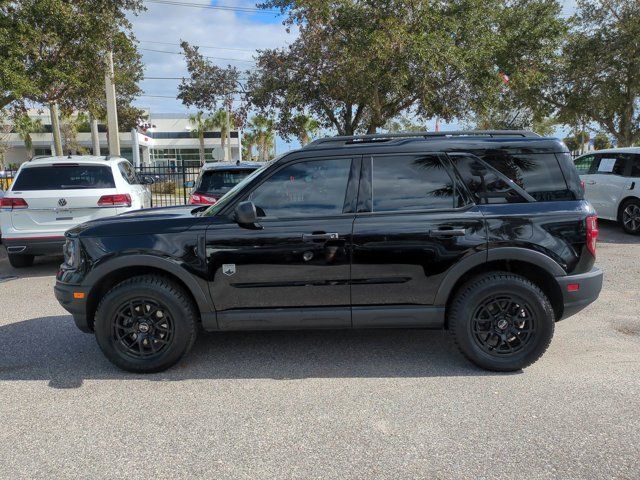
x,y
485,234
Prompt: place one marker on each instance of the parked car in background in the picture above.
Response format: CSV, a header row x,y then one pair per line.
x,y
216,179
611,180
486,234
49,195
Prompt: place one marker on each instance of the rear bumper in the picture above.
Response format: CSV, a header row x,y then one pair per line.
x,y
77,307
34,245
589,286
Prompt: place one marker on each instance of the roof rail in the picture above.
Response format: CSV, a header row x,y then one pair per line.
x,y
386,137
39,156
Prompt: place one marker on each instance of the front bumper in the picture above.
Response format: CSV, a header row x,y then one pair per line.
x,y
575,298
34,245
67,295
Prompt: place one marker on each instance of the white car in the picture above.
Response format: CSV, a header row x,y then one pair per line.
x,y
612,184
50,195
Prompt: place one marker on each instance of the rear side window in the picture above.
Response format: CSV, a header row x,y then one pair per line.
x,y
635,165
610,164
411,183
485,184
64,177
221,180
128,173
538,174
583,164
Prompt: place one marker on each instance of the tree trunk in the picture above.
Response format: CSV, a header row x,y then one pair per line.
x,y
95,138
223,144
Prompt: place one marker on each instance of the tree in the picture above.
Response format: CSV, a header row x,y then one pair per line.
x,y
262,129
5,130
358,64
249,140
53,49
305,127
69,127
402,124
24,126
571,143
219,121
601,141
200,124
599,75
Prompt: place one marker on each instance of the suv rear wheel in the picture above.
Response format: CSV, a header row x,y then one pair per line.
x,y
146,324
20,261
501,321
631,216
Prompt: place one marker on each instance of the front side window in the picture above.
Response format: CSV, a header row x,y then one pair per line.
x,y
404,183
304,189
583,164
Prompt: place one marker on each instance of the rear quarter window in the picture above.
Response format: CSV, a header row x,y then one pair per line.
x,y
64,177
538,174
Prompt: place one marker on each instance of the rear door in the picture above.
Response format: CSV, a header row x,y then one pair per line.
x,y
414,223
60,196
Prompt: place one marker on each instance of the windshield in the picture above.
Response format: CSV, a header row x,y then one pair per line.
x,y
227,197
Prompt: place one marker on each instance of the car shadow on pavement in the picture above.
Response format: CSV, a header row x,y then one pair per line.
x,y
52,349
44,266
612,232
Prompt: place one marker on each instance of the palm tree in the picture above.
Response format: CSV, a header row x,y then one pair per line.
x,y
200,124
24,126
249,140
265,136
219,120
306,127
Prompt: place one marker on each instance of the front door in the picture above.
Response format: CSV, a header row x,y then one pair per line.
x,y
293,270
413,224
606,183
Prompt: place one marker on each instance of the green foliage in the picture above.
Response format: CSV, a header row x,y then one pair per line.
x,y
571,143
599,73
601,141
358,64
304,128
200,124
52,50
24,126
262,131
402,124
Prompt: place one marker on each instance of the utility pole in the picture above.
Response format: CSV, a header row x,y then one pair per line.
x,y
112,113
135,147
228,153
95,138
55,129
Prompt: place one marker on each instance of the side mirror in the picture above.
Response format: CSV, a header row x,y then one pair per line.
x,y
189,184
246,214
147,180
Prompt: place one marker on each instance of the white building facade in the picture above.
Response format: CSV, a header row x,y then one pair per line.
x,y
169,142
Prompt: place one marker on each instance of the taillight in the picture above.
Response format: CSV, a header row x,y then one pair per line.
x,y
117,200
10,203
583,186
198,199
592,234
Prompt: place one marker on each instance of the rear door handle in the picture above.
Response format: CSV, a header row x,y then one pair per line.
x,y
316,237
448,232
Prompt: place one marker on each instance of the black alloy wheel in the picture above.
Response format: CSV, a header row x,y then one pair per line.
x,y
631,217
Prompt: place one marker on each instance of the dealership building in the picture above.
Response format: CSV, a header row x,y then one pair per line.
x,y
168,141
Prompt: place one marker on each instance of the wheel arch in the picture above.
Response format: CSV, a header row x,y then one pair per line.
x,y
531,264
109,274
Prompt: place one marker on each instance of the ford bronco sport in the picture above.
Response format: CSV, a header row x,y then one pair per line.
x,y
483,233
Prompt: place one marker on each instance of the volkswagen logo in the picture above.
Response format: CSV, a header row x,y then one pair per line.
x,y
62,202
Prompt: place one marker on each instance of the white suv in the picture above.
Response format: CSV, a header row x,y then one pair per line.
x,y
612,184
50,195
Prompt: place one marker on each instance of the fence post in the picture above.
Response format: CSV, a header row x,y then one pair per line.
x,y
184,180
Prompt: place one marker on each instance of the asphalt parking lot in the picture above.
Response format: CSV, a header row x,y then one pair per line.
x,y
363,404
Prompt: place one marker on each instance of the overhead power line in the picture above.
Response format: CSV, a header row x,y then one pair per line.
x,y
206,56
177,44
214,7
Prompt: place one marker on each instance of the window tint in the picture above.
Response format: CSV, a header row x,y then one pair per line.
x,y
484,182
609,164
635,165
217,181
410,183
61,177
309,189
538,174
128,173
583,164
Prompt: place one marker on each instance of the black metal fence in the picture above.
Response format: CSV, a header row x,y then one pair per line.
x,y
169,185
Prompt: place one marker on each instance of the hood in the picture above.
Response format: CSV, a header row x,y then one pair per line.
x,y
137,222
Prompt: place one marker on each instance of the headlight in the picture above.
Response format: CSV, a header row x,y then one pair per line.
x,y
71,252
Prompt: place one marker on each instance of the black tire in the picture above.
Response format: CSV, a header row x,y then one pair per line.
x,y
20,261
162,307
630,216
477,317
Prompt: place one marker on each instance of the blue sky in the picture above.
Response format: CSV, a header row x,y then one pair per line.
x,y
230,37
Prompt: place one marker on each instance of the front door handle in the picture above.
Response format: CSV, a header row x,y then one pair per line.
x,y
317,237
448,232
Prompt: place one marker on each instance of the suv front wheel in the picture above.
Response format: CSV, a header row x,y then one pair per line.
x,y
501,321
146,324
